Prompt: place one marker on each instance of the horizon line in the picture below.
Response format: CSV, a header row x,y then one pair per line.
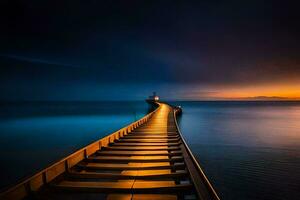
x,y
163,100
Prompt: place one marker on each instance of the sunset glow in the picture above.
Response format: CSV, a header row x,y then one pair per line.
x,y
271,91
245,92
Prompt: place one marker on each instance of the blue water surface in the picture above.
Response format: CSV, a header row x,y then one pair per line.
x,y
249,150
34,135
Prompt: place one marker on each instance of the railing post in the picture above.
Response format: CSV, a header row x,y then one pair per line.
x,y
66,165
85,154
100,145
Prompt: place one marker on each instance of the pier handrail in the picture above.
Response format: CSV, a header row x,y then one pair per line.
x,y
30,185
207,183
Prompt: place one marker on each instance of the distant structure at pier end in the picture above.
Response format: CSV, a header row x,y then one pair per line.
x,y
153,98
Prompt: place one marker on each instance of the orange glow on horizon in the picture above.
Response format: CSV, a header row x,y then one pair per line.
x,y
256,92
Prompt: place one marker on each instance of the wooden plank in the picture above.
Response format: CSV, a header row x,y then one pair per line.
x,y
36,183
92,148
76,158
132,153
119,197
54,171
154,197
141,197
134,159
148,140
143,148
137,166
150,137
133,174
154,132
145,144
123,186
97,186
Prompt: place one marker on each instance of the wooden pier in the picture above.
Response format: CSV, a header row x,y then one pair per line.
x,y
148,159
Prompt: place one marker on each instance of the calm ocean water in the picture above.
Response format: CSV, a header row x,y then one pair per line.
x,y
34,135
249,150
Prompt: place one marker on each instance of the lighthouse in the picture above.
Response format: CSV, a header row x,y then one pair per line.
x,y
153,98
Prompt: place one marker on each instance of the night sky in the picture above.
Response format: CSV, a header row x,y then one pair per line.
x,y
124,50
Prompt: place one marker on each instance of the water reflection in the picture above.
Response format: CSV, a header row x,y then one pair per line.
x,y
246,149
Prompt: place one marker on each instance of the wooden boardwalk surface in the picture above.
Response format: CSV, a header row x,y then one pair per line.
x,y
150,162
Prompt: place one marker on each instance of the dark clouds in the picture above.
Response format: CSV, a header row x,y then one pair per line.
x,y
149,42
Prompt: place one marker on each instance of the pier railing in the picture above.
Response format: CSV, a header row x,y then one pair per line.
x,y
35,182
202,184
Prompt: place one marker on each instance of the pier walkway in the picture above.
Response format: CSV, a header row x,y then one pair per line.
x,y
147,160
